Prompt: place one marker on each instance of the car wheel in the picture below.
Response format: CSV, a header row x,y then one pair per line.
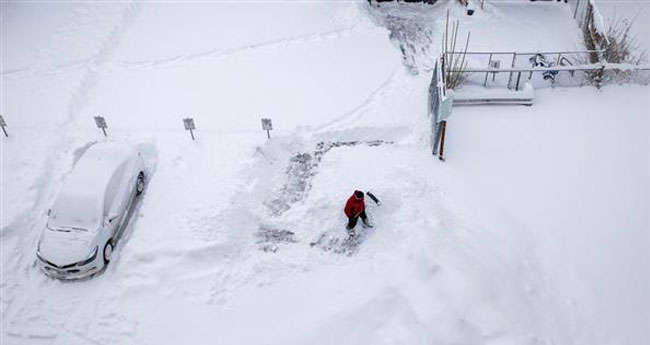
x,y
139,184
108,251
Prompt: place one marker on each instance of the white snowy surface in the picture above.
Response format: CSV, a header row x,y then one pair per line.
x,y
580,185
632,12
521,26
534,231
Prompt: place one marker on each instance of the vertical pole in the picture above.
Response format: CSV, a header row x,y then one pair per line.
x,y
443,128
575,13
482,1
443,76
514,58
559,56
518,78
104,130
599,77
192,134
5,131
486,73
268,134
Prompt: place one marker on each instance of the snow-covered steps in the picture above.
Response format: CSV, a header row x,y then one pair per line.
x,y
483,96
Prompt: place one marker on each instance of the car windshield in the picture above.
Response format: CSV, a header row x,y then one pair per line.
x,y
75,213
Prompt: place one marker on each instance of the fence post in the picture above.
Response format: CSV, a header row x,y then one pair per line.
x,y
443,130
514,57
443,75
518,78
486,73
434,102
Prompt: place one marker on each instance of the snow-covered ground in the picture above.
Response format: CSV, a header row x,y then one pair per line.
x,y
535,230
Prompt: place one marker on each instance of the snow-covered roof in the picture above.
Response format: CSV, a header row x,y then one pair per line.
x,y
81,200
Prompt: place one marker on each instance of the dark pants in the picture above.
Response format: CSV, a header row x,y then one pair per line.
x,y
352,221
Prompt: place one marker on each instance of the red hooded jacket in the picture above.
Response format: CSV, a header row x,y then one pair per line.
x,y
354,206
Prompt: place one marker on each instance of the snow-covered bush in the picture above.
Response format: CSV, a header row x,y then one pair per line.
x,y
622,47
616,45
455,63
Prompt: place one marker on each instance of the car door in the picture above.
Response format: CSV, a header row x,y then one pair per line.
x,y
115,200
126,189
130,179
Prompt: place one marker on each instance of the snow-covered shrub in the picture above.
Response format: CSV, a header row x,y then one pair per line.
x,y
455,63
594,38
455,66
616,45
622,47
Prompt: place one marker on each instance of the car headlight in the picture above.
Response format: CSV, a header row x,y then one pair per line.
x,y
92,257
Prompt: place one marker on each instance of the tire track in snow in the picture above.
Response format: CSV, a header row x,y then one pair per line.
x,y
230,52
366,106
58,68
80,98
212,54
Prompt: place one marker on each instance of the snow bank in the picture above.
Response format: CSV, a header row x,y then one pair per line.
x,y
573,170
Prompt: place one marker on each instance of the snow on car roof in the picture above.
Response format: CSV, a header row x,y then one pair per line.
x,y
81,200
97,165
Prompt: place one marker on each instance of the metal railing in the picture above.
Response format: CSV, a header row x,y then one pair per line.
x,y
437,100
518,71
560,58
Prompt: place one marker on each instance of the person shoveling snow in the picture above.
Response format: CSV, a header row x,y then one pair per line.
x,y
355,208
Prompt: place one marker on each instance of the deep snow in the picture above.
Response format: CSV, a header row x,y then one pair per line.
x,y
535,230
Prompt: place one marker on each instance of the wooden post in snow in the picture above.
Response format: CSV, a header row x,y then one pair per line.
x,y
443,130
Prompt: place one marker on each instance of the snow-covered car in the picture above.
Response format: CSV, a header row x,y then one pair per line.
x,y
86,218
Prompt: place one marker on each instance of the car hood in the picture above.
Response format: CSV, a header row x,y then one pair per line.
x,y
66,247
